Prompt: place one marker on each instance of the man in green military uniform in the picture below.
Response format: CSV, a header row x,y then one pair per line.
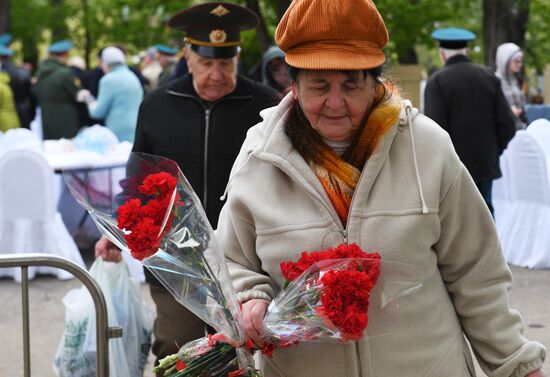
x,y
167,60
55,90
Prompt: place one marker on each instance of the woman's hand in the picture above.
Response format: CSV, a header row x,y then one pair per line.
x,y
537,373
253,317
107,250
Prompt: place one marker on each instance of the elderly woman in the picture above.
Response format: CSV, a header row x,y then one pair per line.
x,y
119,97
509,61
342,159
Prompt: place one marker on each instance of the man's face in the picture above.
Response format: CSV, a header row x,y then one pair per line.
x,y
212,78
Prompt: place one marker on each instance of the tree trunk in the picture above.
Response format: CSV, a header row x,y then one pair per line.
x,y
409,56
503,21
4,16
261,31
59,28
87,34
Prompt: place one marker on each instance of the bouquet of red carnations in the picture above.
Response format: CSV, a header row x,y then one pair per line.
x,y
155,215
341,293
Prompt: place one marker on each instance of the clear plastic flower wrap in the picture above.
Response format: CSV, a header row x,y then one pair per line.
x,y
338,299
154,213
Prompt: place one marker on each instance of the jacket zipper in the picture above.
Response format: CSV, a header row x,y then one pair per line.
x,y
343,232
207,111
205,158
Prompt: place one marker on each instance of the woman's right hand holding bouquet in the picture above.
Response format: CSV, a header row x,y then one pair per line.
x,y
253,319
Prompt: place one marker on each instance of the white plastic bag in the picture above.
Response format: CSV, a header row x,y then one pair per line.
x,y
76,354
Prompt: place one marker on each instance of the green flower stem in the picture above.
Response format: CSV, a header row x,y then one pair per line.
x,y
166,363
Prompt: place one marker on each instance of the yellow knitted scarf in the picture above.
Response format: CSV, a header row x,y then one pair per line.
x,y
339,176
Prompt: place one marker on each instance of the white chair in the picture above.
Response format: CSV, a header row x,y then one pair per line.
x,y
539,124
540,130
524,233
20,138
501,190
29,222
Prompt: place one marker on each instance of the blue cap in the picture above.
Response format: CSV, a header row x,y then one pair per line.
x,y
5,51
60,47
166,50
453,38
5,39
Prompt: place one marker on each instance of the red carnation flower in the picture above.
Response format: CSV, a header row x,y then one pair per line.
x,y
128,214
144,221
159,184
343,293
144,240
180,365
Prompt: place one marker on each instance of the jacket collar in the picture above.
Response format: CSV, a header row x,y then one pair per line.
x,y
270,143
457,59
183,87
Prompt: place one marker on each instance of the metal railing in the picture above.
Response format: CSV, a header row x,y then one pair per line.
x,y
103,331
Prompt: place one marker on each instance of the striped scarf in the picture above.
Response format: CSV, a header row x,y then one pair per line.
x,y
340,175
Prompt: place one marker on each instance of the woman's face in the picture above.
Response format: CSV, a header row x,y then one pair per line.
x,y
516,63
334,102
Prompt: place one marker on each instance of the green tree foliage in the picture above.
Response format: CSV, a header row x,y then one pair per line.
x,y
138,24
135,24
537,45
410,23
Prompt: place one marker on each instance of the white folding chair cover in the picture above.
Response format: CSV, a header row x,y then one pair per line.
x,y
540,130
501,190
524,230
541,123
29,222
20,138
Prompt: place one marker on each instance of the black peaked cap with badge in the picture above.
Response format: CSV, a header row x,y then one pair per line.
x,y
213,29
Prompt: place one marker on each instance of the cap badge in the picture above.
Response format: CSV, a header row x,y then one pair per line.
x,y
217,36
219,11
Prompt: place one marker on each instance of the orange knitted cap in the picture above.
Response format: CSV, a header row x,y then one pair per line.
x,y
332,34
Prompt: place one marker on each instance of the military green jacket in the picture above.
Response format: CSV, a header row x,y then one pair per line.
x,y
55,90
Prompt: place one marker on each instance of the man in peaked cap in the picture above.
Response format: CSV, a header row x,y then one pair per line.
x,y
167,59
199,120
467,101
56,89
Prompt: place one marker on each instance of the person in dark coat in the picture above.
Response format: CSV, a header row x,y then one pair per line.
x,y
467,101
272,70
180,69
200,121
20,83
56,89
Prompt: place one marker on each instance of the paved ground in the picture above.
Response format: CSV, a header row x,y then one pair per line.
x,y
530,294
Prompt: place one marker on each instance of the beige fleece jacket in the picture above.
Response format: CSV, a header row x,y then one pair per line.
x,y
276,208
